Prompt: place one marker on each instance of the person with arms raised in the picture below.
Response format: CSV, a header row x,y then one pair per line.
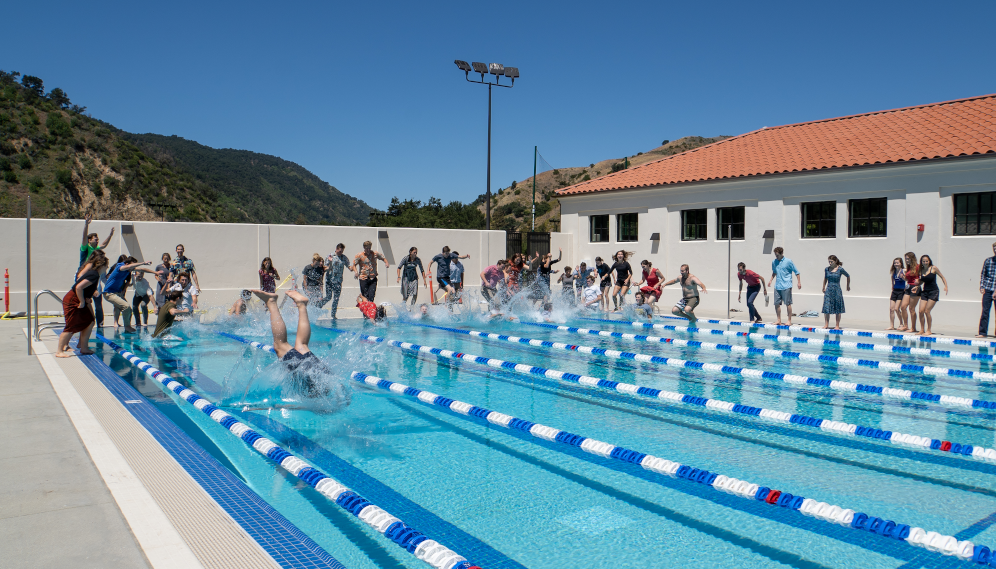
x,y
365,269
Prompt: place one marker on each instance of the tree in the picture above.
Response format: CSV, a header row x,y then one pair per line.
x,y
665,142
301,220
59,97
34,85
8,77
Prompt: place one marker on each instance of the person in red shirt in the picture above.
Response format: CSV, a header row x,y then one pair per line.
x,y
754,284
370,310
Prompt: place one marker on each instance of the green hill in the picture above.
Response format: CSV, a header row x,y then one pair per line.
x,y
71,164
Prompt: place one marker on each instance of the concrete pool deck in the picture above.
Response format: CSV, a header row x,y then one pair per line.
x,y
86,485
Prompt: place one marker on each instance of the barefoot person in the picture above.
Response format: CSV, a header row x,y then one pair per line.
x,y
591,294
624,275
336,263
782,269
365,269
300,361
268,276
898,275
443,283
370,310
833,298
78,308
91,242
690,285
987,285
117,283
912,293
929,292
754,285
650,284
168,313
408,271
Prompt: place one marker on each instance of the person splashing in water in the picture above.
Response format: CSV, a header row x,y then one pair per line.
x,y
304,366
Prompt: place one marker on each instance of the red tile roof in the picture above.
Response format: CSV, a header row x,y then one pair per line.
x,y
939,130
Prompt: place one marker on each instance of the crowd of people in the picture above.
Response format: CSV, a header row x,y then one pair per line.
x,y
172,287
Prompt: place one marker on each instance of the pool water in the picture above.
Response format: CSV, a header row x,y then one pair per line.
x,y
504,498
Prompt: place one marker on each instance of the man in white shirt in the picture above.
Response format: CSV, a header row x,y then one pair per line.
x,y
188,301
591,294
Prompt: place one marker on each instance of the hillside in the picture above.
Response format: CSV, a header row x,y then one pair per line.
x,y
511,206
71,164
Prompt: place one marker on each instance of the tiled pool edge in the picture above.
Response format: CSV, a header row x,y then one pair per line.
x,y
287,545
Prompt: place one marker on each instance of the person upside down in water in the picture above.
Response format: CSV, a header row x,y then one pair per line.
x,y
300,361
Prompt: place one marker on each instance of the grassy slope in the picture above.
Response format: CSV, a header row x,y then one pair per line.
x,y
70,164
513,211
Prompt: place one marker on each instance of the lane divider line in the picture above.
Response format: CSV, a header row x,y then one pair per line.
x,y
810,341
810,329
430,551
845,386
976,452
829,513
800,356
914,441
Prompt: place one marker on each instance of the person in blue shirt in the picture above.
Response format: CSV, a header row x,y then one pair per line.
x,y
117,282
782,269
443,283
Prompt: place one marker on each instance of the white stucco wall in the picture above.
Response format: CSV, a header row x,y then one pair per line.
x,y
227,256
917,193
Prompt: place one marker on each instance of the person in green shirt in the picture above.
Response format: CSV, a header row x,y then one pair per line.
x,y
167,314
88,246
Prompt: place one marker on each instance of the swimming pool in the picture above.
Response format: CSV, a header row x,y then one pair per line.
x,y
488,484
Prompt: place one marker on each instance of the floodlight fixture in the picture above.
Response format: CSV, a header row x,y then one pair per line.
x,y
497,69
512,73
463,65
481,68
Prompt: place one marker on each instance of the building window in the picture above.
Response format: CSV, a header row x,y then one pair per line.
x,y
693,224
626,226
819,220
974,214
727,216
599,228
866,218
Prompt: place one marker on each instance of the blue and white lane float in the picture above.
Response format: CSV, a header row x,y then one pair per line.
x,y
977,452
809,341
915,441
905,394
432,552
934,541
785,354
813,330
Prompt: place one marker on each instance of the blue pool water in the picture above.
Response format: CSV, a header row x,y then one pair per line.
x,y
504,498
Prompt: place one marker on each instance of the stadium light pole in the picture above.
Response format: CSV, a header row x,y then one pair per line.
x,y
497,70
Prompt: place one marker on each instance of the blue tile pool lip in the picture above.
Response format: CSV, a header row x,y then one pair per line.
x,y
276,535
418,544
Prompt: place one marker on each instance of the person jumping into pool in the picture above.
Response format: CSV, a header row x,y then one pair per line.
x,y
442,261
690,285
299,359
408,278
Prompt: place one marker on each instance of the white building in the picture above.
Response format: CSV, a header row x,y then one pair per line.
x,y
867,188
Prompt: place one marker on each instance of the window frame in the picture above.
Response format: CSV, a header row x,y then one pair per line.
x,y
591,228
720,227
819,222
979,197
884,218
702,228
620,225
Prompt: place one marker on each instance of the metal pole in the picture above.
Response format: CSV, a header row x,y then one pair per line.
x,y
729,265
488,207
535,152
27,297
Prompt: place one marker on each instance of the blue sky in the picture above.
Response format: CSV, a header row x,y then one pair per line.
x,y
366,95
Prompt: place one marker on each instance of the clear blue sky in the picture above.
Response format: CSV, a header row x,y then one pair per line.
x,y
366,95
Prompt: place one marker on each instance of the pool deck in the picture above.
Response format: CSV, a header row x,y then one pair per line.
x,y
56,510
86,485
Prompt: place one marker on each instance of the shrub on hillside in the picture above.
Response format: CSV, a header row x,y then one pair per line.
x,y
5,165
23,162
35,183
10,177
64,178
58,126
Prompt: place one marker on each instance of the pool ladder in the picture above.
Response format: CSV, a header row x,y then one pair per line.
x,y
40,327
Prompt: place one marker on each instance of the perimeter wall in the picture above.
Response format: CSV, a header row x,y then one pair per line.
x,y
227,256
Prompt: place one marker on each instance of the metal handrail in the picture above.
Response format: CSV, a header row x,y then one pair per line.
x,y
39,328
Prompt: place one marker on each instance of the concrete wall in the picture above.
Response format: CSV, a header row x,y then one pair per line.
x,y
917,193
227,256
